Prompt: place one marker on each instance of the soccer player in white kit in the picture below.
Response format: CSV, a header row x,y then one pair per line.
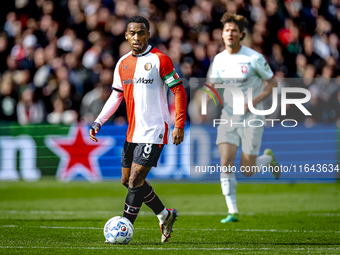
x,y
243,67
143,76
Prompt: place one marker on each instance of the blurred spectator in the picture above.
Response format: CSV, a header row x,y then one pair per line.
x,y
29,110
61,49
8,98
308,51
4,52
65,93
60,115
334,108
301,64
316,107
94,101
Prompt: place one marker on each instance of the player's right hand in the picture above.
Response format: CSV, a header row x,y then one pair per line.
x,y
94,130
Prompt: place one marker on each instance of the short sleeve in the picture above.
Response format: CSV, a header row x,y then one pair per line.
x,y
262,68
168,72
117,83
213,73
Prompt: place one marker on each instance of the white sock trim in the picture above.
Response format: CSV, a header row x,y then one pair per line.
x,y
162,215
228,185
231,203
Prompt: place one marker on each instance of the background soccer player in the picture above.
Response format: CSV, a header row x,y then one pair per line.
x,y
143,76
242,67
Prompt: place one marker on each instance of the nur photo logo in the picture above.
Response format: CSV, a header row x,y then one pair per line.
x,y
239,100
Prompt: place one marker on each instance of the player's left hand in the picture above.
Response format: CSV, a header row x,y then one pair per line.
x,y
246,107
177,136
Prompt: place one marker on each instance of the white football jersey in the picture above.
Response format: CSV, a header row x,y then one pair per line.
x,y
144,79
247,68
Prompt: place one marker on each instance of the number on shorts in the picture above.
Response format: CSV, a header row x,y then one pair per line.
x,y
148,148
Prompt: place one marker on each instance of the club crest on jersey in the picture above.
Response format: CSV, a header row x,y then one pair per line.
x,y
148,66
244,69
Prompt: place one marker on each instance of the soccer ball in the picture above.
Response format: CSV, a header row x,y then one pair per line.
x,y
118,230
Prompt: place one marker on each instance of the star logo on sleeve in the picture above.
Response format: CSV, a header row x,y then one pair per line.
x,y
78,154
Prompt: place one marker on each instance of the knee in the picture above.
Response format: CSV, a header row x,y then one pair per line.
x,y
248,174
247,169
249,165
138,175
227,161
134,180
133,183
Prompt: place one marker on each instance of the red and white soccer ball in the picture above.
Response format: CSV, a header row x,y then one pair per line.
x,y
118,230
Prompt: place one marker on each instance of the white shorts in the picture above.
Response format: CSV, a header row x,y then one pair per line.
x,y
249,137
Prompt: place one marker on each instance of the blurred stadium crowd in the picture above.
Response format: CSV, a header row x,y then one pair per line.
x,y
57,56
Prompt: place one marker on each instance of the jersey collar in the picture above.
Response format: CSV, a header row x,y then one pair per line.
x,y
239,51
148,49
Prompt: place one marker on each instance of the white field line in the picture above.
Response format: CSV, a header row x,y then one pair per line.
x,y
325,214
173,249
114,213
151,213
185,229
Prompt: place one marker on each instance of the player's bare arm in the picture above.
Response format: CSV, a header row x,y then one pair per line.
x,y
108,110
267,90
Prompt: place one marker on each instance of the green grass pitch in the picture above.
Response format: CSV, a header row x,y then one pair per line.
x,y
48,217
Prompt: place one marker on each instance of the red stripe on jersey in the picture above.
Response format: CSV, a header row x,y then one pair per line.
x,y
165,140
127,71
165,63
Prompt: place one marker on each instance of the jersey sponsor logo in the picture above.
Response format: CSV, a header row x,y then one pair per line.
x,y
141,80
125,66
127,81
244,69
148,66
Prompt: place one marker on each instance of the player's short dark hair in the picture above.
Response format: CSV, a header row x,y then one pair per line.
x,y
239,20
138,19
